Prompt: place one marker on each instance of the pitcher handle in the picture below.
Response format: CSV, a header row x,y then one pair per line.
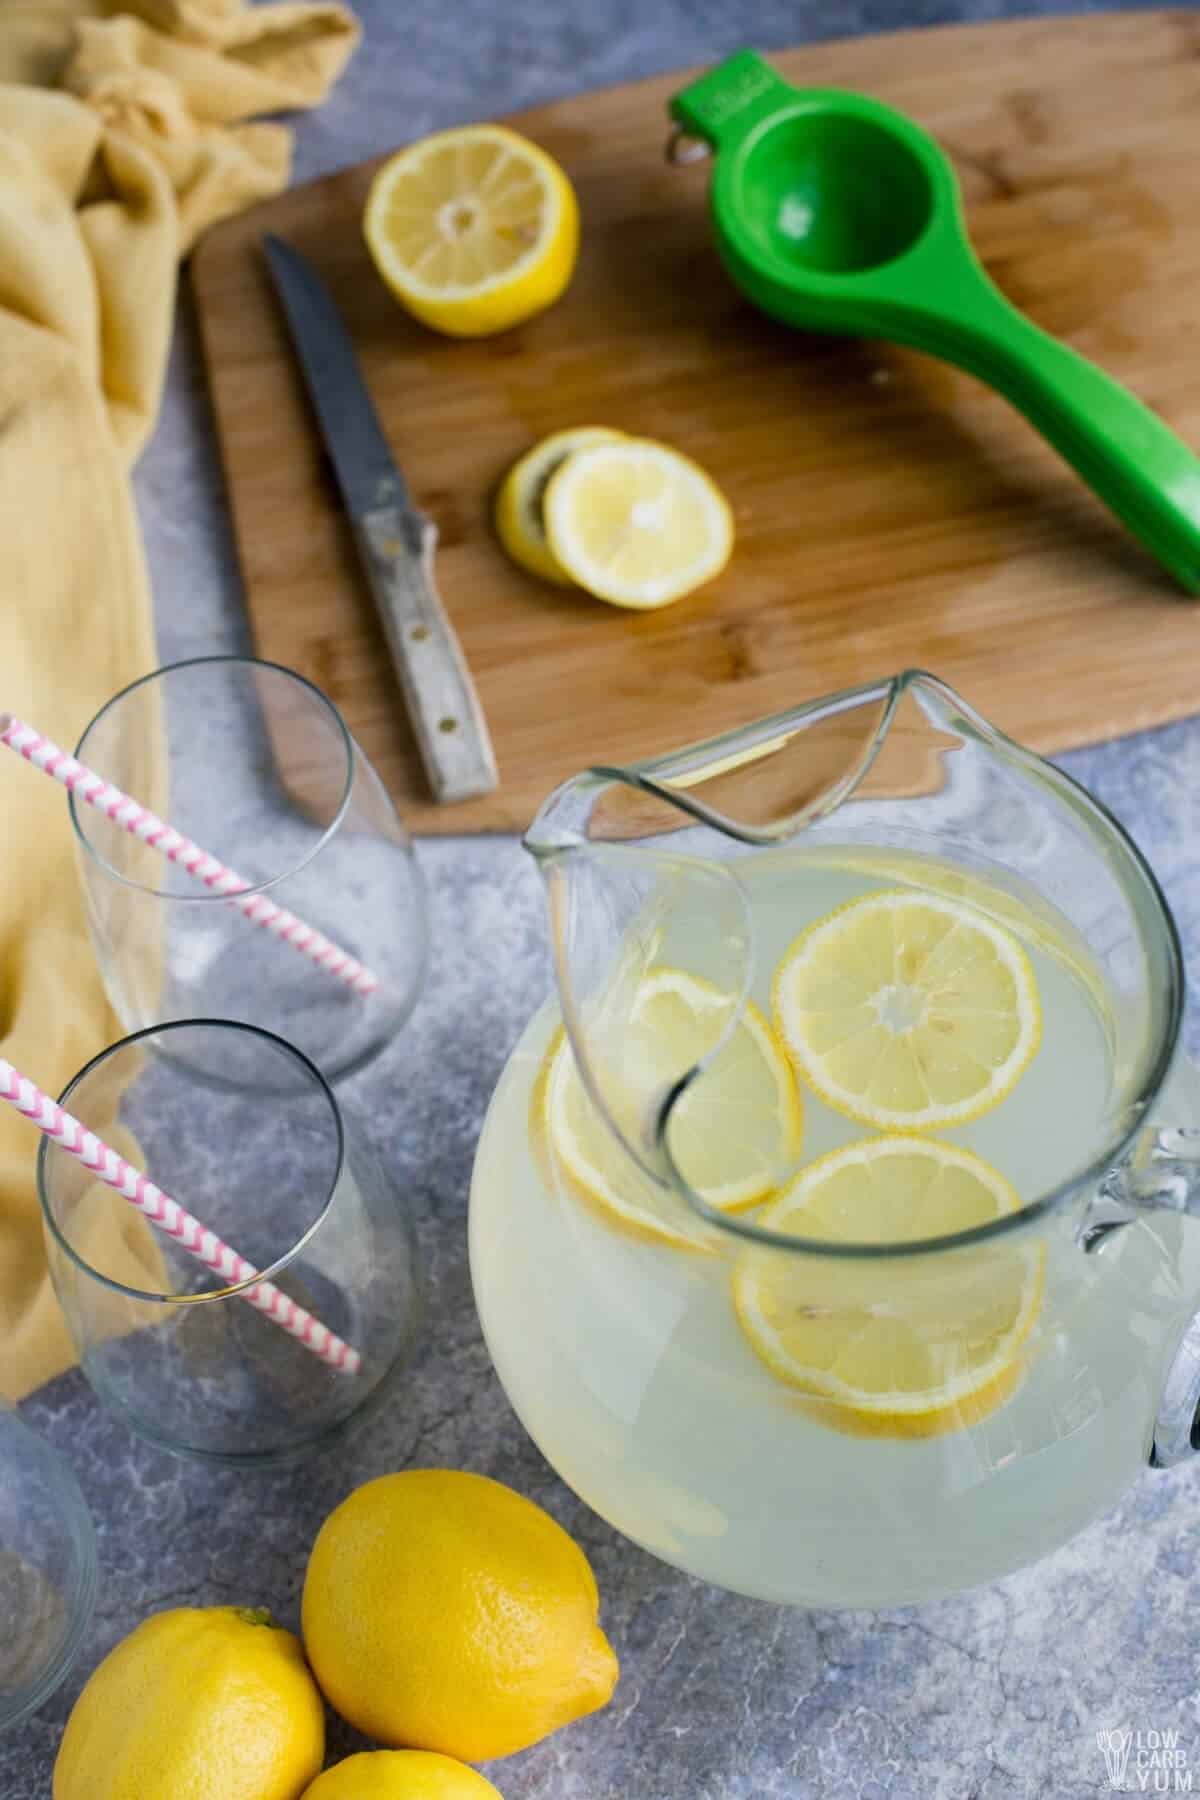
x,y
1162,1175
1177,1422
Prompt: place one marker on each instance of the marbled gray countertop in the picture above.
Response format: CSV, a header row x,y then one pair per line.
x,y
996,1695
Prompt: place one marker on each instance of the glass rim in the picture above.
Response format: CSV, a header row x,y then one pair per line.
x,y
230,1289
203,897
653,776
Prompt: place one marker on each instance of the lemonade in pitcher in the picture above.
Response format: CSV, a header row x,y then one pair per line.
x,y
812,1253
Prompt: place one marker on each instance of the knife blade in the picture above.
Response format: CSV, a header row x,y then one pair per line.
x,y
395,539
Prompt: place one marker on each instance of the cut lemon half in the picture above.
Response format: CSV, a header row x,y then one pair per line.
x,y
474,230
910,1012
731,1133
636,523
896,1346
519,522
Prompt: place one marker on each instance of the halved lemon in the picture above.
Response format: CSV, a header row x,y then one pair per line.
x,y
519,522
474,230
636,523
896,1346
910,1012
732,1132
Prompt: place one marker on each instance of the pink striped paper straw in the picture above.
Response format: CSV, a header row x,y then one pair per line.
x,y
49,1117
141,823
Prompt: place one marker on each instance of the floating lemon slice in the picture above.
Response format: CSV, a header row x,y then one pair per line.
x,y
474,230
898,1346
519,521
910,1012
731,1133
636,523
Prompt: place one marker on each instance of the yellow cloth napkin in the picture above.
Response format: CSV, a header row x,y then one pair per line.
x,y
125,129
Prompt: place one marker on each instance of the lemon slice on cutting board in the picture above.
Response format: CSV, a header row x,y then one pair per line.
x,y
731,1133
636,523
898,1346
909,1012
518,513
474,230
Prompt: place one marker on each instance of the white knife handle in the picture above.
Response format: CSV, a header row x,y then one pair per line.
x,y
397,549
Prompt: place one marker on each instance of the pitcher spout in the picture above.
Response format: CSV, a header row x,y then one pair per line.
x,y
764,783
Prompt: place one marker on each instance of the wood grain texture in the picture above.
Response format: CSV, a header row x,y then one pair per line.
x,y
890,511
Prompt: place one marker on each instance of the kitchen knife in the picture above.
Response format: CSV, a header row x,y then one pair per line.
x,y
396,541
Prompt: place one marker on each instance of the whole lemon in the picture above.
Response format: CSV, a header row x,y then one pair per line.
x,y
401,1775
213,1703
445,1612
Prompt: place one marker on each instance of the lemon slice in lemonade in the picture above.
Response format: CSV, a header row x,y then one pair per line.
x,y
519,521
731,1133
898,1346
909,1012
474,230
636,523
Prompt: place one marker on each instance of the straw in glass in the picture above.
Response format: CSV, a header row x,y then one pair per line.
x,y
169,1216
141,823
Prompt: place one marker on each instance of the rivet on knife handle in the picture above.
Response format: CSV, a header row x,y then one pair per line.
x,y
397,548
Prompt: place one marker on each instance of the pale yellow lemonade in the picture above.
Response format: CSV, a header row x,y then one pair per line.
x,y
626,1360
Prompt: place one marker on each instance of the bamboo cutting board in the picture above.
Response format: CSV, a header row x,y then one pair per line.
x,y
889,511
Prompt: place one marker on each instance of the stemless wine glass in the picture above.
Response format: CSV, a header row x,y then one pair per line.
x,y
47,1569
256,766
193,1359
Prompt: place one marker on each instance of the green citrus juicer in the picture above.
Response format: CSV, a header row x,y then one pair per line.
x,y
835,213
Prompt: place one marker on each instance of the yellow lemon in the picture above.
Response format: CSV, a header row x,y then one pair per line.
x,y
474,230
898,1346
518,513
636,523
733,1133
401,1775
445,1612
214,1704
907,1011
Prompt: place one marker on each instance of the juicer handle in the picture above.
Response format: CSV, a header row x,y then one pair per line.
x,y
930,290
1163,1175
1127,455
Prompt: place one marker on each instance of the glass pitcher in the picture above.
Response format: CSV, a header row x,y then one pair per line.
x,y
828,1235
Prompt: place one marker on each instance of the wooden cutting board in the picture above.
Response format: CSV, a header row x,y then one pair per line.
x,y
889,511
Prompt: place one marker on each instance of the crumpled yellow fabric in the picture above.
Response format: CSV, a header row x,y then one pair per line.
x,y
126,128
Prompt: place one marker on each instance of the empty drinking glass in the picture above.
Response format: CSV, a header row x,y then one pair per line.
x,y
327,941
203,1356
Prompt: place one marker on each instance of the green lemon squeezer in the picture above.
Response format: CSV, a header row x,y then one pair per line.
x,y
835,213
